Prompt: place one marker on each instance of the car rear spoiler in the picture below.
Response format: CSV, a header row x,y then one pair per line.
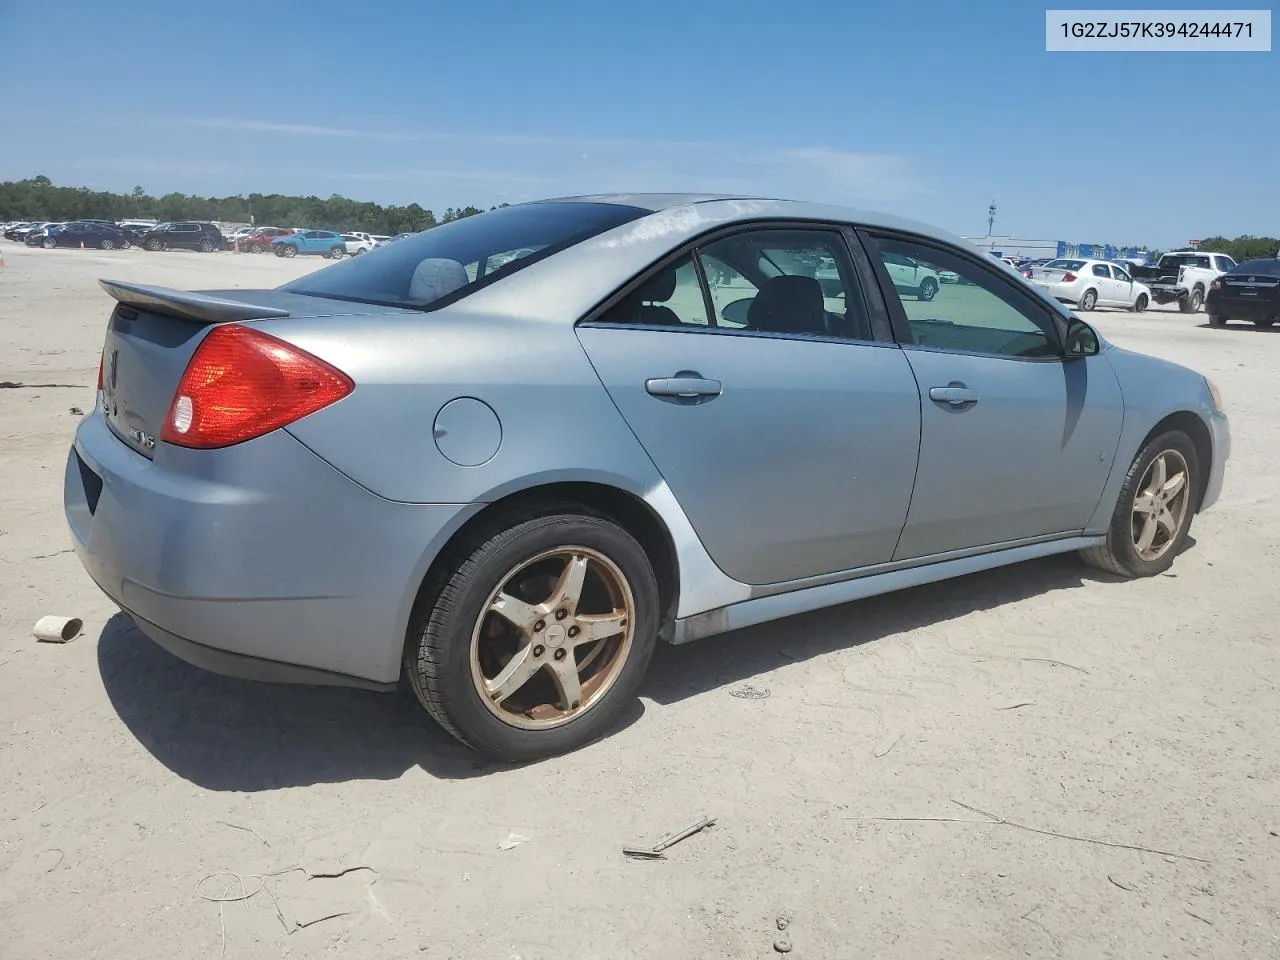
x,y
186,305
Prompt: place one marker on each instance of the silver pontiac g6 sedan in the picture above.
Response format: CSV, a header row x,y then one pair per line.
x,y
501,458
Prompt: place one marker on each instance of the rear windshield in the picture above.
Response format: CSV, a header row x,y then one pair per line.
x,y
1184,260
1268,268
443,264
1064,264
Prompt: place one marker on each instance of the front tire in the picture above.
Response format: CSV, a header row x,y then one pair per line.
x,y
1154,510
536,636
108,245
206,245
48,243
337,253
287,251
155,246
1088,301
1140,305
928,289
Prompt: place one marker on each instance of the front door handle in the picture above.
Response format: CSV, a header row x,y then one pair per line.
x,y
956,394
687,387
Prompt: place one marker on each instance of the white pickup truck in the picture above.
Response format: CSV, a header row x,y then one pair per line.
x,y
1183,276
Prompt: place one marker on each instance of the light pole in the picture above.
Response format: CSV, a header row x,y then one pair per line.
x,y
991,217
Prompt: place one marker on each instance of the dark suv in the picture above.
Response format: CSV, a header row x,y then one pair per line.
x,y
184,235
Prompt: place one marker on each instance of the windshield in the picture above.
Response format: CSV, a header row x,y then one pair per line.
x,y
443,264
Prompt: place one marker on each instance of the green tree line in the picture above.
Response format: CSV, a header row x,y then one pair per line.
x,y
1242,248
39,199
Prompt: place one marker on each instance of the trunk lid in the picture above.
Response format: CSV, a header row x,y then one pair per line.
x,y
1251,288
152,335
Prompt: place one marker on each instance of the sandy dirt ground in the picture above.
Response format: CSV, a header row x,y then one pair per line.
x,y
1142,714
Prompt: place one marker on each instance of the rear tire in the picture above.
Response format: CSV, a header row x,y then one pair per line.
x,y
1121,554
48,243
154,245
1218,320
206,245
1140,305
1088,301
1192,302
457,642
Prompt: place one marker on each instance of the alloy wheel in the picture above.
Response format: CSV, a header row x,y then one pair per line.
x,y
552,637
1160,505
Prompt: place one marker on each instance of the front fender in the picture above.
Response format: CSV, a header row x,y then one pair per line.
x,y
1154,390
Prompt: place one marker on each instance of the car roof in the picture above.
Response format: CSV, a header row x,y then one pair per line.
x,y
750,207
572,281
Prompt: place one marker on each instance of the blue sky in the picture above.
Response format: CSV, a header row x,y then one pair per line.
x,y
926,109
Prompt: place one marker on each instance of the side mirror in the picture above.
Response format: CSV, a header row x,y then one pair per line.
x,y
1081,340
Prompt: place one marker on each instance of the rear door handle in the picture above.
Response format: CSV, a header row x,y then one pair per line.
x,y
955,394
685,387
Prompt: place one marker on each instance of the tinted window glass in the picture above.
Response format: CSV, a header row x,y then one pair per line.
x,y
1100,270
672,297
983,313
431,268
785,282
1265,268
1120,274
1064,264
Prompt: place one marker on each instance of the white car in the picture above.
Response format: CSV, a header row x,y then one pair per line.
x,y
358,243
1091,283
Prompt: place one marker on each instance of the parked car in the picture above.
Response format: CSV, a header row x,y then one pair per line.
x,y
90,233
38,236
1248,291
357,243
138,227
183,235
323,243
20,231
910,276
350,478
378,239
1183,277
240,233
260,240
1090,283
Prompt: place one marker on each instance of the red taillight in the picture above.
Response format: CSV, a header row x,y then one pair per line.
x,y
101,357
1069,277
1216,285
1027,274
241,384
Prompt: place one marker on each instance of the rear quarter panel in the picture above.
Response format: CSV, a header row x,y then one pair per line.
x,y
557,421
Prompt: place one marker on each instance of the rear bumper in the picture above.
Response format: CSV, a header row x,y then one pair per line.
x,y
258,560
1243,309
1220,433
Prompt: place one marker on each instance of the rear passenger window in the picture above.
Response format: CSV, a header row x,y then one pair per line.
x,y
1100,270
790,282
672,297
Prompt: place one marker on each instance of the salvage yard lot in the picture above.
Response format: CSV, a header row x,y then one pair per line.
x,y
1141,714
